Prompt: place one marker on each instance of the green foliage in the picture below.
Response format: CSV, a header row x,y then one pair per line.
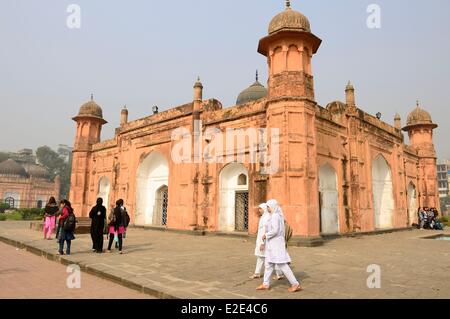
x,y
56,165
23,214
3,156
3,207
444,219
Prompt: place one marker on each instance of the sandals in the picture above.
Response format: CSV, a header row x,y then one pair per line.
x,y
255,276
295,288
262,288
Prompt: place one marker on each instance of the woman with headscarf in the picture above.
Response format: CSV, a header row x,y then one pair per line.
x,y
50,211
117,224
275,246
97,216
263,215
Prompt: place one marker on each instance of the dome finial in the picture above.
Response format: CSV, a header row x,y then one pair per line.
x,y
92,96
257,76
288,4
418,103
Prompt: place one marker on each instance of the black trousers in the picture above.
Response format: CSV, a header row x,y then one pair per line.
x,y
97,239
111,240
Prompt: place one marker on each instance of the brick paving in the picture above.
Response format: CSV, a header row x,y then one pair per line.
x,y
26,276
168,264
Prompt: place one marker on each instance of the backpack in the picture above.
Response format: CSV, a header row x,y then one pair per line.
x,y
439,225
70,223
126,219
112,218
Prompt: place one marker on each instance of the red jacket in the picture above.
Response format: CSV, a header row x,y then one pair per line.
x,y
64,215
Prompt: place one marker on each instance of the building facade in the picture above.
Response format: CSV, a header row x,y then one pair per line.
x,y
443,179
24,184
334,169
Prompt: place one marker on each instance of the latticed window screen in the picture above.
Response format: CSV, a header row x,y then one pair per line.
x,y
241,208
165,201
10,202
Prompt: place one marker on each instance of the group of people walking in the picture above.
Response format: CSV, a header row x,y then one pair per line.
x,y
114,226
61,219
271,247
271,243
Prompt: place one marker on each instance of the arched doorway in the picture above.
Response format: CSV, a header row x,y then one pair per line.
x,y
104,188
233,209
152,176
412,204
383,198
329,218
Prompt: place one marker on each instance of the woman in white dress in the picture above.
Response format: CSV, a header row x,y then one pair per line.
x,y
264,216
275,248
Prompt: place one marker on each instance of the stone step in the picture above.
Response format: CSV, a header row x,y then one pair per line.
x,y
82,228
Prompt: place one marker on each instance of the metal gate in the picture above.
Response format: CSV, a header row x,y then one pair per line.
x,y
165,201
241,211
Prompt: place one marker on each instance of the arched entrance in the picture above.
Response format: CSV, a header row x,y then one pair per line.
x,y
152,181
233,209
412,204
383,198
329,218
104,188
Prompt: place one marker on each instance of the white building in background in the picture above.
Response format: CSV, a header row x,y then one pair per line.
x,y
443,178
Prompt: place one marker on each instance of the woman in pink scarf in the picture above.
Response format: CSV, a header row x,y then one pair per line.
x,y
50,218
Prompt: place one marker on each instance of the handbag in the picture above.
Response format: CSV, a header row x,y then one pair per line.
x,y
105,228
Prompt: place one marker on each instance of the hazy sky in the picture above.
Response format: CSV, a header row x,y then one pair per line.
x,y
149,52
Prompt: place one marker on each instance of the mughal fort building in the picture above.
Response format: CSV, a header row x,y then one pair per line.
x,y
334,169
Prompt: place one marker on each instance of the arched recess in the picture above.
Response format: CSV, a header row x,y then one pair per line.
x,y
294,61
152,175
104,188
233,193
383,198
279,61
329,217
412,204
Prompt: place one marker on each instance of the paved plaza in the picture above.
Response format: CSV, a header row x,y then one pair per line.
x,y
25,275
173,265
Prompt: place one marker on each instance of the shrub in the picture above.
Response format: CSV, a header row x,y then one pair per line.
x,y
444,219
31,213
2,217
3,207
14,216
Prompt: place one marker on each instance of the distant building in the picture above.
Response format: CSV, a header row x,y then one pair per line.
x,y
443,178
25,184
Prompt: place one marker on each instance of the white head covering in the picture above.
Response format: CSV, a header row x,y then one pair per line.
x,y
274,207
264,208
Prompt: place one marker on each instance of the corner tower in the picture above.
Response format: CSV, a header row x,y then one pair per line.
x,y
89,126
291,110
420,128
289,48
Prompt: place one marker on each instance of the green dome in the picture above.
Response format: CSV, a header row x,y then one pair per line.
x,y
253,93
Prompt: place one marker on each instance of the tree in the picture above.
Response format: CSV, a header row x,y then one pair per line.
x,y
56,165
3,156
